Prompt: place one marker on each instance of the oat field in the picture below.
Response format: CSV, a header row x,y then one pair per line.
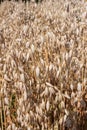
x,y
43,65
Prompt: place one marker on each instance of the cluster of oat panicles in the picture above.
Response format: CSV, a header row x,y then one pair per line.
x,y
43,65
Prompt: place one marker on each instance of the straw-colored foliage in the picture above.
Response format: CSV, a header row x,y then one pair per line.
x,y
43,65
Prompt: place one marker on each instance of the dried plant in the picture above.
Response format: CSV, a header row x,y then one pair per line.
x,y
43,65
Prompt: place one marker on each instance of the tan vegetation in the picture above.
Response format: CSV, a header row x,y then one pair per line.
x,y
43,65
